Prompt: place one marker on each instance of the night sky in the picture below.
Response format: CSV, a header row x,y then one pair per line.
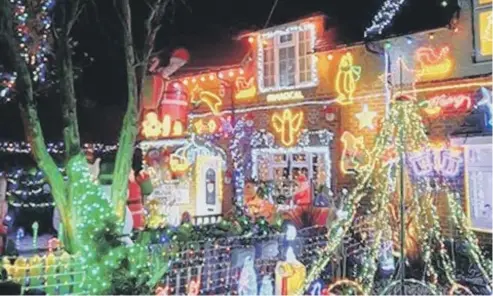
x,y
205,28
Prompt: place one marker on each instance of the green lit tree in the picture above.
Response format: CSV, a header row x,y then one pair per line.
x,y
385,176
92,222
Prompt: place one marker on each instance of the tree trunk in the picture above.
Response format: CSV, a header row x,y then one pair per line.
x,y
71,136
135,76
129,130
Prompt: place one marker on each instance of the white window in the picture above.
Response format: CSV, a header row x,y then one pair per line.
x,y
479,186
478,179
272,165
286,59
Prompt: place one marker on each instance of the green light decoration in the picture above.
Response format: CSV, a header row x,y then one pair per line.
x,y
109,265
403,129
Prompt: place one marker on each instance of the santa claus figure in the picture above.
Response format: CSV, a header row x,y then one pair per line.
x,y
303,194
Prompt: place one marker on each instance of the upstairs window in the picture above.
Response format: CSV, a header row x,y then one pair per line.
x,y
286,59
483,30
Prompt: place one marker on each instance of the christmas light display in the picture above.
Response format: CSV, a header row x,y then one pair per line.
x,y
53,147
32,30
245,89
7,82
446,104
212,100
486,101
347,76
287,125
354,154
433,63
366,117
405,127
383,17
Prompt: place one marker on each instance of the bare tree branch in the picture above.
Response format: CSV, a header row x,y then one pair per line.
x,y
135,78
71,137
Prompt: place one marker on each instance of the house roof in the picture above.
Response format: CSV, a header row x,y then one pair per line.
x,y
344,25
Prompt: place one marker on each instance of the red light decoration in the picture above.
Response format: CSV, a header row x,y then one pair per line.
x,y
442,105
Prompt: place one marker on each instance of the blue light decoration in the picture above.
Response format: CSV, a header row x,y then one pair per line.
x,y
23,185
54,147
316,288
266,286
383,18
242,133
247,284
485,104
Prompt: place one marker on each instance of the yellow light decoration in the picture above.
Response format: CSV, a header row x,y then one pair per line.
x,y
345,282
212,100
346,78
151,127
178,163
285,96
366,117
166,127
457,288
288,126
200,127
212,126
353,148
432,64
245,89
486,32
484,2
178,129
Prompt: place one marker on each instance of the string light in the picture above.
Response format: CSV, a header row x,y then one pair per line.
x,y
32,33
404,120
53,147
383,17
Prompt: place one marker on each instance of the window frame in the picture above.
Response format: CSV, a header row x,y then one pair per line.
x,y
309,151
277,45
468,144
476,10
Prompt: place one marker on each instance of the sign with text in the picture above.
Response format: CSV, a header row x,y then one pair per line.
x,y
447,104
285,96
177,193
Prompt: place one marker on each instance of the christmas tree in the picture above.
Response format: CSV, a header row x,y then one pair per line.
x,y
404,173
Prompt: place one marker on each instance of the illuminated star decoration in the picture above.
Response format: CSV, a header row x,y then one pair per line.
x,y
366,117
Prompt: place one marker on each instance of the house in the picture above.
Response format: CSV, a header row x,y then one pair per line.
x,y
305,98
